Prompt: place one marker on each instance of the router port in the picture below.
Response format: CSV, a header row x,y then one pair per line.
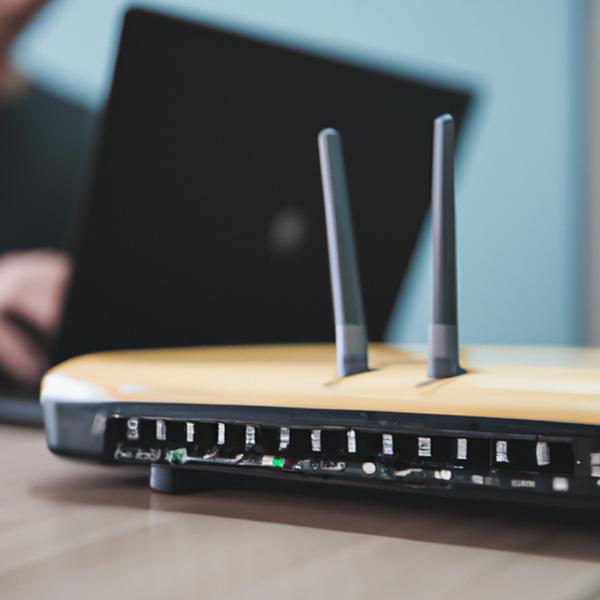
x,y
562,460
515,455
334,443
406,448
234,440
441,450
267,440
147,430
205,436
432,450
368,445
175,432
471,453
300,444
118,428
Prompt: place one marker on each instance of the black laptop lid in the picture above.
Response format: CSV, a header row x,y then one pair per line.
x,y
205,223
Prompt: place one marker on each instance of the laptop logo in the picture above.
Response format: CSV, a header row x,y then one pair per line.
x,y
288,232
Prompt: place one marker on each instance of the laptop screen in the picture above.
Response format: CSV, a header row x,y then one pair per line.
x,y
205,225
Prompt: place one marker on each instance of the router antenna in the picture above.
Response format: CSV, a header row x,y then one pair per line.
x,y
350,328
443,330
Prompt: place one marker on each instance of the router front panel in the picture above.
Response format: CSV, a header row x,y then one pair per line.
x,y
350,430
428,453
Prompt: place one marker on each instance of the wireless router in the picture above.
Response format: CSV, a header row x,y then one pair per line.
x,y
391,420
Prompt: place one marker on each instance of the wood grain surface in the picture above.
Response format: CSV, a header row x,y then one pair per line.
x,y
73,530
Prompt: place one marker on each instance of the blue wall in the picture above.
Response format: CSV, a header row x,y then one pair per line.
x,y
520,179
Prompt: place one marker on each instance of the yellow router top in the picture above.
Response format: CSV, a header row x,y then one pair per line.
x,y
566,389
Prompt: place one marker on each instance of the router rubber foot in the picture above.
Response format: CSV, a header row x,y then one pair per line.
x,y
171,480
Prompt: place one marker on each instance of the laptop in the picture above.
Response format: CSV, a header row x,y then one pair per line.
x,y
204,220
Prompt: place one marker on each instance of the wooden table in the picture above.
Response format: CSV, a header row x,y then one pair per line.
x,y
73,530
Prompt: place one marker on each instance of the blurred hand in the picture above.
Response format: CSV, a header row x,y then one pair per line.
x,y
32,286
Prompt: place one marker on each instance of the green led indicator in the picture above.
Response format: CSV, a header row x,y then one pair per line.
x,y
278,462
177,456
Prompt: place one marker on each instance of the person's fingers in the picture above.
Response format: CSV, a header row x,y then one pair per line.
x,y
43,295
19,356
32,286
